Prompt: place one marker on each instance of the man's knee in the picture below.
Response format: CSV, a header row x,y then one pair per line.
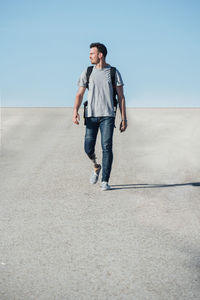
x,y
107,146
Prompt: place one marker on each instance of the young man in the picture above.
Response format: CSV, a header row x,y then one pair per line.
x,y
100,111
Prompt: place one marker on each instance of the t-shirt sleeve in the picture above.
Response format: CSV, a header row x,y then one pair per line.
x,y
118,78
82,79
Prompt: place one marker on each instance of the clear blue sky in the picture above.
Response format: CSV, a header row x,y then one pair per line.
x,y
155,44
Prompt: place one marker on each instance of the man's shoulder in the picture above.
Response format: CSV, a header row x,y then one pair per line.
x,y
115,69
111,67
84,71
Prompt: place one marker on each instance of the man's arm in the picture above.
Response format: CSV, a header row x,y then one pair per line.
x,y
77,104
122,107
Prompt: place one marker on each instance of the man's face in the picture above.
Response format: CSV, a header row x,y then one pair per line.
x,y
94,56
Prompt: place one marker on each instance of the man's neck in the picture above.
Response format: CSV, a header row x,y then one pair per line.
x,y
101,65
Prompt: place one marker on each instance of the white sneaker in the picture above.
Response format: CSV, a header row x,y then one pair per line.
x,y
105,186
95,175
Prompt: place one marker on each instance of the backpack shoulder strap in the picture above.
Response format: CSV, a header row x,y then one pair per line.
x,y
113,71
89,71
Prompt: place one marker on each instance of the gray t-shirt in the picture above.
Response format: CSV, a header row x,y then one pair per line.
x,y
100,93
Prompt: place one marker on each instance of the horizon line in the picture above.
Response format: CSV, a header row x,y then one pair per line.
x,y
132,107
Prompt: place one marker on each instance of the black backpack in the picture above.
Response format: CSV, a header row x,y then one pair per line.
x,y
113,72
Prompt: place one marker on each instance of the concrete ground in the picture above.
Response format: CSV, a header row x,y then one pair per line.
x,y
62,238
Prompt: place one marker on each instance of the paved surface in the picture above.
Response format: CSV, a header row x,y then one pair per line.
x,y
62,238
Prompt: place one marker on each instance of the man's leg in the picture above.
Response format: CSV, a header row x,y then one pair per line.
x,y
107,128
92,127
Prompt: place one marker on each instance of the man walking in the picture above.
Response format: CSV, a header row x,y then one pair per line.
x,y
100,113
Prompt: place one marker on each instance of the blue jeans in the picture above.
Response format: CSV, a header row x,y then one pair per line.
x,y
106,125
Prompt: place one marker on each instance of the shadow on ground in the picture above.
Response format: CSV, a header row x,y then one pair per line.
x,y
149,186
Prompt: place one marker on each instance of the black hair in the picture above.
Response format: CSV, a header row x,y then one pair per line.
x,y
101,48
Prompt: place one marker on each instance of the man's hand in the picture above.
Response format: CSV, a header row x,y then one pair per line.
x,y
77,104
76,118
123,125
122,107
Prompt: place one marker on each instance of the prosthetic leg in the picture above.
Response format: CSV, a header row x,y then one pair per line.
x,y
94,160
97,168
